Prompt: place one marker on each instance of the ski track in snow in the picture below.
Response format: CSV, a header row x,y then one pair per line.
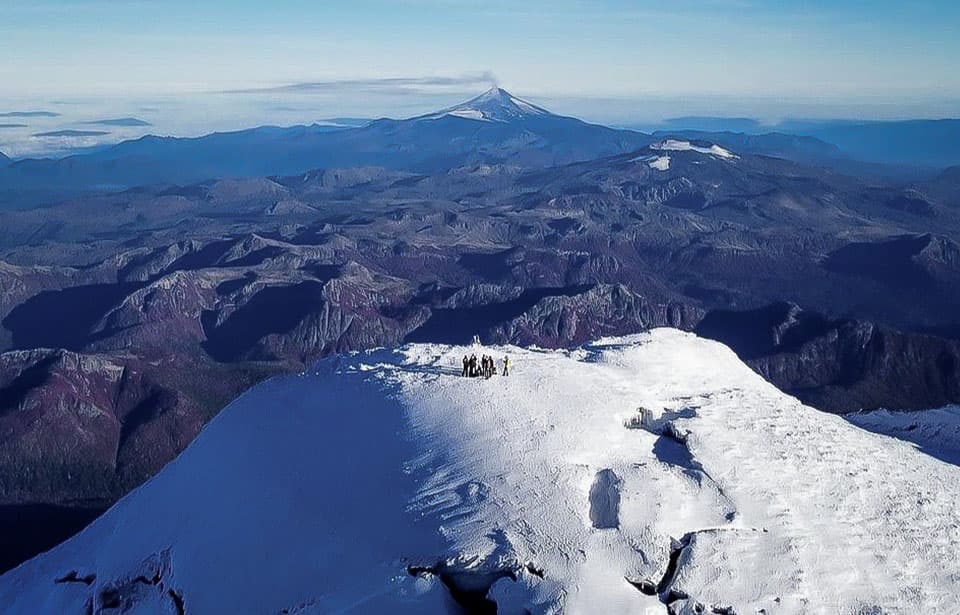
x,y
382,482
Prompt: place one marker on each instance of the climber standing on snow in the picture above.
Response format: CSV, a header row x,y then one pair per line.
x,y
483,367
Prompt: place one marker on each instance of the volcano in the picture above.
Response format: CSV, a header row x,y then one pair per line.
x,y
494,105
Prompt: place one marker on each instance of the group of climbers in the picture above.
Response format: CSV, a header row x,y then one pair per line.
x,y
484,367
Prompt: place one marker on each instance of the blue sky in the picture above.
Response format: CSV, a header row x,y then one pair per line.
x,y
609,60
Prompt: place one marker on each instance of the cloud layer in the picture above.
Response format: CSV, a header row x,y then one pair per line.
x,y
386,85
29,114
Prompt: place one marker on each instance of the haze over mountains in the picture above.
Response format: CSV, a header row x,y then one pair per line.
x,y
429,143
179,272
521,132
921,143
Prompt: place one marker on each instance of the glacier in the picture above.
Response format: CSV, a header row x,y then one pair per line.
x,y
653,473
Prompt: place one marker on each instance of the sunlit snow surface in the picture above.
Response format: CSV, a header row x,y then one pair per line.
x,y
660,163
356,486
494,105
674,145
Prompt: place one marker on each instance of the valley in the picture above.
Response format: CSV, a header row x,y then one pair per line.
x,y
130,317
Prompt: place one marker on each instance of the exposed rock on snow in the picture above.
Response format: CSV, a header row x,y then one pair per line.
x,y
384,482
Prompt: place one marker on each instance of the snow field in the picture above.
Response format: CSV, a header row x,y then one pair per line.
x,y
383,482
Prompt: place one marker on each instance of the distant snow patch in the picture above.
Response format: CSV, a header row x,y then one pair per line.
x,y
660,163
470,114
527,107
675,145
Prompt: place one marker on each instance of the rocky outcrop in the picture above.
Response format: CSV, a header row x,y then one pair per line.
x,y
594,312
914,261
60,423
343,308
158,317
840,365
81,427
19,283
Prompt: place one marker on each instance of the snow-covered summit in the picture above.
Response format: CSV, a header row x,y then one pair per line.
x,y
677,145
622,477
494,105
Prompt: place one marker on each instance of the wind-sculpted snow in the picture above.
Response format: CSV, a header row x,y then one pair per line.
x,y
936,432
634,475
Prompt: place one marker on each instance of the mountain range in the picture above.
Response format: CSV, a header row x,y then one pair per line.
x,y
130,317
493,128
932,143
474,132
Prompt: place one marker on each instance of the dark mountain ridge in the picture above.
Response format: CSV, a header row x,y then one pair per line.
x,y
515,132
493,128
843,364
